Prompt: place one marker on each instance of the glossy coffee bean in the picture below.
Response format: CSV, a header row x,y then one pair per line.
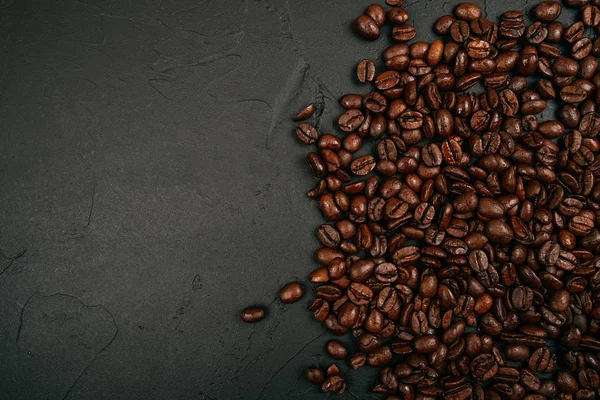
x,y
252,314
291,293
367,27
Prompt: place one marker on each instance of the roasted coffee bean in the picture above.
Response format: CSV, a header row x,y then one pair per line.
x,y
377,12
363,165
547,11
306,133
467,11
404,33
252,314
484,367
443,24
591,15
367,27
315,375
306,112
387,80
291,293
398,15
335,384
337,349
351,120
365,71
460,31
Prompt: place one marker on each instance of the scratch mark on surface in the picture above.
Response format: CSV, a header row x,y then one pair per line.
x,y
205,395
89,219
287,362
156,89
21,318
101,350
12,259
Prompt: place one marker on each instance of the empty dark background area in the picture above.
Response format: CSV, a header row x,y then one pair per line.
x,y
151,187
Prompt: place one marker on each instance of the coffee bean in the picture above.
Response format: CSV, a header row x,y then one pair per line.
x,y
426,344
367,27
365,71
467,11
357,360
252,314
306,133
484,367
591,15
387,80
306,112
443,24
291,293
547,11
334,384
404,33
363,165
315,375
398,15
512,25
337,349
351,120
460,31
377,13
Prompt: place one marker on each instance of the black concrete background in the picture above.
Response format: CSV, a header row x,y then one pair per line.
x,y
151,187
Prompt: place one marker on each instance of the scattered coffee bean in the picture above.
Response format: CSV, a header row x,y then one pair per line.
x,y
306,112
365,71
306,133
252,314
337,349
367,27
291,293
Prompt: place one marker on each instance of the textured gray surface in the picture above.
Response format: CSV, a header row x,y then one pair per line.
x,y
151,187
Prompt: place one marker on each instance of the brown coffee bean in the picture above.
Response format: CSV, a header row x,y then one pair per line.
x,y
337,349
363,165
377,13
291,293
306,112
547,11
252,314
484,367
443,24
467,11
365,71
351,120
387,80
367,27
591,15
460,31
306,133
403,33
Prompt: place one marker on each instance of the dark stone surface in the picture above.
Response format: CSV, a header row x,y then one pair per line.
x,y
151,187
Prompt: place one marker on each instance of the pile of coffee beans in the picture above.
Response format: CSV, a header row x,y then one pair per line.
x,y
463,253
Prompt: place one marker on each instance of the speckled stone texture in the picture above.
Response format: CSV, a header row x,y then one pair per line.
x,y
151,186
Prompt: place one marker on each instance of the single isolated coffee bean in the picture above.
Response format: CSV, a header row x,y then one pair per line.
x,y
306,112
252,314
291,293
